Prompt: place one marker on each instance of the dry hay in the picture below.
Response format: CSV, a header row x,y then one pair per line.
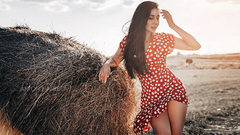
x,y
5,126
49,85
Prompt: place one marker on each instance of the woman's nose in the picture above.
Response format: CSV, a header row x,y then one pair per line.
x,y
156,21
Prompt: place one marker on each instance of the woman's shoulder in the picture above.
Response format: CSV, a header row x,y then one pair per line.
x,y
124,39
123,42
162,35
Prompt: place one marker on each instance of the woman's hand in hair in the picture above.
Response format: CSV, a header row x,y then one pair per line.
x,y
166,15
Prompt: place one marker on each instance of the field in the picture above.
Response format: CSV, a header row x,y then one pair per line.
x,y
213,86
49,84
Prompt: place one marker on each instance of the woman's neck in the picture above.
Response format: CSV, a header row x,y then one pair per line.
x,y
148,38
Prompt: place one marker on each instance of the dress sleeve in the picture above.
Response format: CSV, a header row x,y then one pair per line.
x,y
122,45
170,43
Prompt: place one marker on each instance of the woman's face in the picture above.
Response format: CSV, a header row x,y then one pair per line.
x,y
153,21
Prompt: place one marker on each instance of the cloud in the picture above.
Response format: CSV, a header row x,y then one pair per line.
x,y
236,1
64,5
232,1
56,7
67,1
215,1
98,1
228,5
96,4
6,0
44,1
4,6
104,4
127,2
51,5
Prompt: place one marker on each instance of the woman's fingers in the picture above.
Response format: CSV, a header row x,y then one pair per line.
x,y
100,75
103,74
166,15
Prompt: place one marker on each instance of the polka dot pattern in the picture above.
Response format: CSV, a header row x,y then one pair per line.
x,y
161,85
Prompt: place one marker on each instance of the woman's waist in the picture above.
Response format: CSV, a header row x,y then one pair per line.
x,y
161,74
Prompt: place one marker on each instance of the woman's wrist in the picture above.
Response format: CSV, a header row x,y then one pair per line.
x,y
106,64
173,26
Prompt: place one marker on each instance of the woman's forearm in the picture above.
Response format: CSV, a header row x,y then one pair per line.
x,y
187,41
187,38
111,62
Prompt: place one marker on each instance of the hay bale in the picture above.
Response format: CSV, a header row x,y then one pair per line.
x,y
49,85
5,126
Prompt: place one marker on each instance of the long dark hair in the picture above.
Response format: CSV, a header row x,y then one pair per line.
x,y
134,53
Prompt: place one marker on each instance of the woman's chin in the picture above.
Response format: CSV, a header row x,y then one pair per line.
x,y
151,32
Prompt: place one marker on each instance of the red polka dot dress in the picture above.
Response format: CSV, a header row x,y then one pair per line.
x,y
159,87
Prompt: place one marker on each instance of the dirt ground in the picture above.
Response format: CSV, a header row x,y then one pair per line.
x,y
213,87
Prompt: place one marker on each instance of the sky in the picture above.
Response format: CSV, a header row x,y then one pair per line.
x,y
99,24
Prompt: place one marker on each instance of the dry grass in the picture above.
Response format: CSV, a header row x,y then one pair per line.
x,y
49,85
5,126
215,61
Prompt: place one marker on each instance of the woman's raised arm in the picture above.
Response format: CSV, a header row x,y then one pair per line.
x,y
187,41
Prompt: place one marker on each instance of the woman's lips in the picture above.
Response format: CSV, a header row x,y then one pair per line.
x,y
154,28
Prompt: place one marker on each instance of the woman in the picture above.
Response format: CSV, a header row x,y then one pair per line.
x,y
163,99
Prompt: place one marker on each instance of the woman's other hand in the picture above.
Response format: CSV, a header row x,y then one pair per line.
x,y
112,62
104,73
